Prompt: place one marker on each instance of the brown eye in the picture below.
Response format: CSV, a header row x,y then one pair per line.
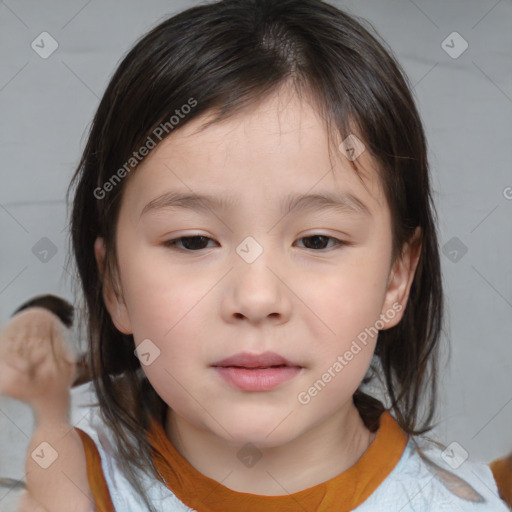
x,y
198,243
318,242
189,243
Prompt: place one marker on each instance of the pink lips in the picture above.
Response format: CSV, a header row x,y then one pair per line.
x,y
262,372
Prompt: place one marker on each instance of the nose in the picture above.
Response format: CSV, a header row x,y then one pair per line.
x,y
257,292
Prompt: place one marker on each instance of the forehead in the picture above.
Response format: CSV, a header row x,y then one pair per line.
x,y
277,146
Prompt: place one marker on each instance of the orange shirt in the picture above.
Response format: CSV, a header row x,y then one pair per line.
x,y
342,493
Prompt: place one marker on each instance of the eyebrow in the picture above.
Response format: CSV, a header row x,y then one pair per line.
x,y
344,203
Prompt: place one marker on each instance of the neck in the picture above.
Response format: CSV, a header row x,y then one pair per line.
x,y
321,453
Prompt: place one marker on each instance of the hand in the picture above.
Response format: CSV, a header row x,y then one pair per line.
x,y
37,364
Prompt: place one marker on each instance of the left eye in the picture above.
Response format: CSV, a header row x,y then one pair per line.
x,y
196,243
319,240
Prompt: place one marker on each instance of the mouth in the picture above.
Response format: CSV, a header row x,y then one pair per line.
x,y
247,360
251,372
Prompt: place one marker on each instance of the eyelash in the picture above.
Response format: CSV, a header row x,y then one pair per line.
x,y
172,244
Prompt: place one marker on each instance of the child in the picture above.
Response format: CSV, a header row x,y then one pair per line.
x,y
234,374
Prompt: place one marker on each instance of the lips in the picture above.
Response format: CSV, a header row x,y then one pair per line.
x,y
246,360
256,373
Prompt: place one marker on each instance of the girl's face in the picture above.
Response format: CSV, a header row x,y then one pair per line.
x,y
310,285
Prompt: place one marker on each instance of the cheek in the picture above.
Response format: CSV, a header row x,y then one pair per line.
x,y
351,301
168,308
156,296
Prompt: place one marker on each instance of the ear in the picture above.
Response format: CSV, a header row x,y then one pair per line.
x,y
113,301
400,280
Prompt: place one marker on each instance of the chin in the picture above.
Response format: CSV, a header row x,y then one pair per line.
x,y
263,435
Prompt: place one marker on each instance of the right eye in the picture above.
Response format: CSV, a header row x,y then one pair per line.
x,y
189,243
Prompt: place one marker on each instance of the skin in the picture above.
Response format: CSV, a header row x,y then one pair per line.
x,y
304,303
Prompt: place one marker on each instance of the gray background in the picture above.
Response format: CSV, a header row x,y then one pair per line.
x,y
466,103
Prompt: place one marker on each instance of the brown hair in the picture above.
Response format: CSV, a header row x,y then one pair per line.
x,y
226,56
57,305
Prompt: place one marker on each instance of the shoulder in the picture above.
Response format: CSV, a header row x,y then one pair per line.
x,y
99,443
429,479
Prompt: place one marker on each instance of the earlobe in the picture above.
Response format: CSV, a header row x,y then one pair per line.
x,y
113,301
401,279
